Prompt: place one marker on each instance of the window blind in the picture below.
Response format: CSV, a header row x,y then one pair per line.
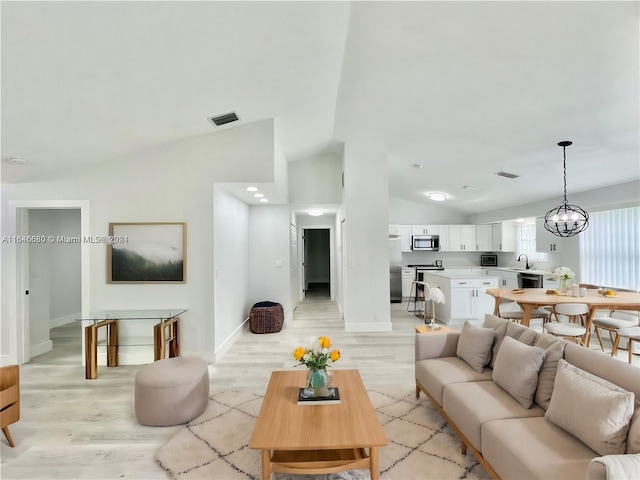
x,y
610,249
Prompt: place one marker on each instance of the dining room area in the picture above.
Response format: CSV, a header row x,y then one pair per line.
x,y
599,318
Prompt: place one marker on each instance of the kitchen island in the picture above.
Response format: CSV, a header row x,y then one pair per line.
x,y
465,295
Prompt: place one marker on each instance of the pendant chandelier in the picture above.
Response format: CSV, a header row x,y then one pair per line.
x,y
566,220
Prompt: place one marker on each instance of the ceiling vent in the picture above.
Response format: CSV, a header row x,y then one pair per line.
x,y
219,120
507,174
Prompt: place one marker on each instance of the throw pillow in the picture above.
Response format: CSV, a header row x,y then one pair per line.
x,y
500,327
547,375
474,346
591,408
516,369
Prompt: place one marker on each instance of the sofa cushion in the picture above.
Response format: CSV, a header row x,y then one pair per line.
x,y
516,369
474,346
633,439
471,404
519,332
433,374
554,350
500,327
533,448
594,410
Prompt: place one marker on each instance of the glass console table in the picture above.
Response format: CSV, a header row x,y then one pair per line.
x,y
166,335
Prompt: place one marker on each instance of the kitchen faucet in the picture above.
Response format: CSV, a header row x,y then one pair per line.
x,y
526,261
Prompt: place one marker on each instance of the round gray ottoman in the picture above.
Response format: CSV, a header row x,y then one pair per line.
x,y
171,391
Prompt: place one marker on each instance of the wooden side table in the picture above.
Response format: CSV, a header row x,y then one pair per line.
x,y
426,329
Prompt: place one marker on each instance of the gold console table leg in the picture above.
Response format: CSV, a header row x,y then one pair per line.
x,y
166,333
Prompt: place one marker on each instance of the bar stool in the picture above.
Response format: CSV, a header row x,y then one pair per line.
x,y
417,295
574,332
632,334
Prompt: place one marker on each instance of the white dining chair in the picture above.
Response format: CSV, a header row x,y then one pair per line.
x,y
573,330
511,310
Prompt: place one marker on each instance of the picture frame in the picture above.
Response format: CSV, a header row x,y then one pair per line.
x,y
152,252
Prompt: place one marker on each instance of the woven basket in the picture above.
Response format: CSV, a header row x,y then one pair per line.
x,y
266,317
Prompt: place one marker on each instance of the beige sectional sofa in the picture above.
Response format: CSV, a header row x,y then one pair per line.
x,y
530,405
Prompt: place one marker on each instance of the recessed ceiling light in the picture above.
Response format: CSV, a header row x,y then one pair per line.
x,y
252,189
258,195
264,200
315,212
437,196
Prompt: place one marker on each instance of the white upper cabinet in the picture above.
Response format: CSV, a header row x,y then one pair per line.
x,y
405,235
504,237
443,232
424,229
484,238
462,238
546,242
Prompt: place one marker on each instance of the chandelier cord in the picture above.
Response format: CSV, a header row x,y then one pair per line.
x,y
564,164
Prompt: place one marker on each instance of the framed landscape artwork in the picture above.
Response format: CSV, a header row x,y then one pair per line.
x,y
147,253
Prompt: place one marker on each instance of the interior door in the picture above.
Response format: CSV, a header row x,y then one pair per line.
x,y
305,277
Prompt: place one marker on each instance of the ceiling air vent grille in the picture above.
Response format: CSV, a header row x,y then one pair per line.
x,y
219,120
507,174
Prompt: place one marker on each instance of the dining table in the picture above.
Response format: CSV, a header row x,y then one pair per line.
x,y
530,299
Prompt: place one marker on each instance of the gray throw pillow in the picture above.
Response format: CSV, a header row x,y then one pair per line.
x,y
554,351
590,408
516,369
474,346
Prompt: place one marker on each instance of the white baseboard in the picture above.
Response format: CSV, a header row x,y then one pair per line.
x,y
58,322
368,327
41,348
228,343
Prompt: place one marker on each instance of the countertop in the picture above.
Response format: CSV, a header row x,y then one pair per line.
x,y
451,273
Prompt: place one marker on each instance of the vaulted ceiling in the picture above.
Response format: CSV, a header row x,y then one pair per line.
x,y
464,89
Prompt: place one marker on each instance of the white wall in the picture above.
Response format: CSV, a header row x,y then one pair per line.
x,y
316,180
60,261
406,212
269,256
231,267
366,202
173,183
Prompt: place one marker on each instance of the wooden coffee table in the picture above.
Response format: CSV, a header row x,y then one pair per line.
x,y
314,439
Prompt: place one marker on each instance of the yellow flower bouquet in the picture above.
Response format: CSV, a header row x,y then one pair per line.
x,y
317,357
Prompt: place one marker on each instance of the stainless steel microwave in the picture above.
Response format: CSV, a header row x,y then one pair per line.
x,y
425,242
488,260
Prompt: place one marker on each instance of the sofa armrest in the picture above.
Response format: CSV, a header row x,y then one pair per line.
x,y
436,345
614,466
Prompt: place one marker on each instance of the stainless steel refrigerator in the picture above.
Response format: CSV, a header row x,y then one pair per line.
x,y
395,268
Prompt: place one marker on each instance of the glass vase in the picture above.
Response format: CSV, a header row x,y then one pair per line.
x,y
564,285
318,383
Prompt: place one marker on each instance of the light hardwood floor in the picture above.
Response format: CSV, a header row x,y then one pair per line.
x,y
76,428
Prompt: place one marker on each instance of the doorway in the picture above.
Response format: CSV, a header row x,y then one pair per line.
x,y
317,258
49,277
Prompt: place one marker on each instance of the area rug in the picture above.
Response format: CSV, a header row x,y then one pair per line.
x,y
215,445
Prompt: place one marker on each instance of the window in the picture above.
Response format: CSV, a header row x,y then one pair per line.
x,y
610,249
526,243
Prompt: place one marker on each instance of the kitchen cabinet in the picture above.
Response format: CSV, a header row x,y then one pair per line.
x,y
424,229
405,236
484,238
505,279
465,295
546,242
408,275
469,299
504,237
443,233
462,238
